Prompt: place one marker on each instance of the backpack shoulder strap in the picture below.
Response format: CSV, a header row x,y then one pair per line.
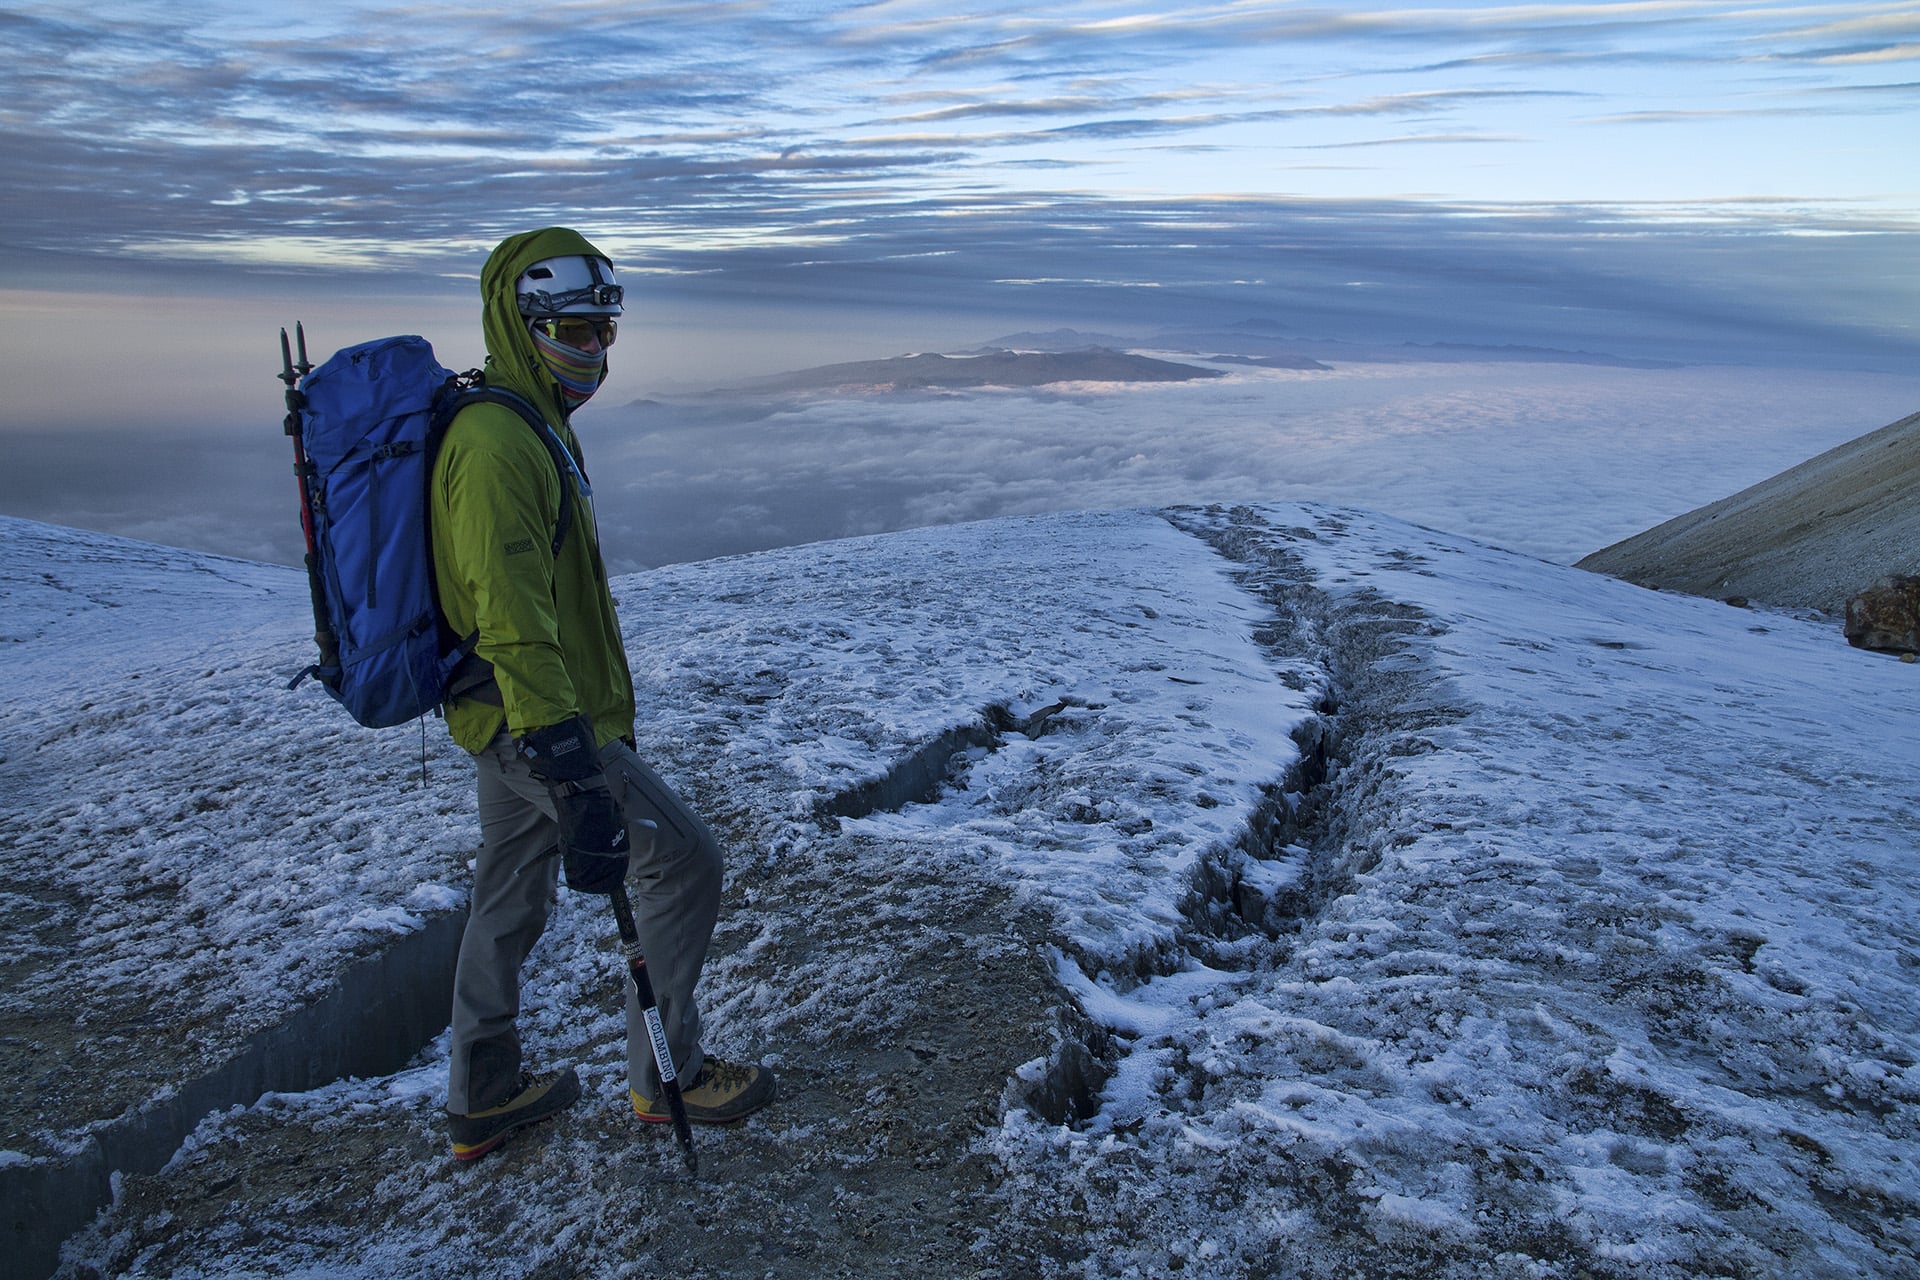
x,y
472,675
480,393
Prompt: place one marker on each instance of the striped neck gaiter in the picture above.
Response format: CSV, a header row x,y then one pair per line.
x,y
578,372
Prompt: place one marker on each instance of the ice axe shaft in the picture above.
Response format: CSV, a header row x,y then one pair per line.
x,y
656,1032
303,470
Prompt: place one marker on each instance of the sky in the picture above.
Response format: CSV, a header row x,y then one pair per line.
x,y
790,184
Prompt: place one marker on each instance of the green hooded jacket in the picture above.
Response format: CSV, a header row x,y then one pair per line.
x,y
546,623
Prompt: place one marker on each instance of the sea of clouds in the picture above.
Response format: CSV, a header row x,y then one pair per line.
x,y
1555,460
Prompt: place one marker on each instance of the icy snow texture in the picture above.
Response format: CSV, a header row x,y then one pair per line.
x,y
1160,720
1597,949
1615,957
189,850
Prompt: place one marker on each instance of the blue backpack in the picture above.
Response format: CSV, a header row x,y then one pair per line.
x,y
366,426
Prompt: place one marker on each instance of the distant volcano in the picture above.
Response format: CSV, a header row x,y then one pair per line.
x,y
995,369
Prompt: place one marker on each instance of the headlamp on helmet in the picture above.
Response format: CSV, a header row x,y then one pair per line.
x,y
577,285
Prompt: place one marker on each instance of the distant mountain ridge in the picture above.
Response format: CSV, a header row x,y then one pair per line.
x,y
1037,358
1268,344
1054,340
998,368
1251,343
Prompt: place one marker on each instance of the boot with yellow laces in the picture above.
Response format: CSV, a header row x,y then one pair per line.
x,y
719,1093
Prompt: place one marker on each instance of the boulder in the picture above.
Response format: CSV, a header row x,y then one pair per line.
x,y
1886,616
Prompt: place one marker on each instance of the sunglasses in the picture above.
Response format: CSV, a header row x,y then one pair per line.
x,y
578,331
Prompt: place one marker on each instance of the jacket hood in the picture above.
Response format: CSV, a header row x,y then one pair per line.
x,y
512,361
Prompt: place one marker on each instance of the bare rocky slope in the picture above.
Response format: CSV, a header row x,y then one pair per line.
x,y
1807,538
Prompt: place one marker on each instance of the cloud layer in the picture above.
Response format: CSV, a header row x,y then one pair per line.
x,y
787,184
1481,449
1552,459
833,147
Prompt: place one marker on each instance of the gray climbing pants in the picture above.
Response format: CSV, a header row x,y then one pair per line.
x,y
674,883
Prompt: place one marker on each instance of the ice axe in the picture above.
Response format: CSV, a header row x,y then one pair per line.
x,y
291,374
656,1031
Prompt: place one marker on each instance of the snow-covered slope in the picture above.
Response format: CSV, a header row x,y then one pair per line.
x,y
1608,961
1276,891
188,849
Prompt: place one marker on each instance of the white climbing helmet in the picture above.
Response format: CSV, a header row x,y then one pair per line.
x,y
578,285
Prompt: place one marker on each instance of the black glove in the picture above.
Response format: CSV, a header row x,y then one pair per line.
x,y
593,831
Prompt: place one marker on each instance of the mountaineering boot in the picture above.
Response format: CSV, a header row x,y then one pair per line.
x,y
722,1093
536,1098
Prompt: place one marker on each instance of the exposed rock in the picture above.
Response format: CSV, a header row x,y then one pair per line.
x,y
1886,616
